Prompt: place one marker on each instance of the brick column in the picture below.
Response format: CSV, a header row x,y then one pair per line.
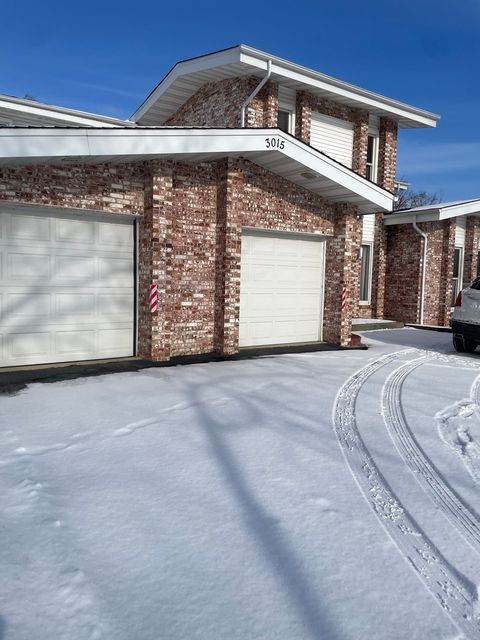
x,y
387,154
446,273
303,117
379,267
154,262
472,247
270,102
360,143
229,238
342,269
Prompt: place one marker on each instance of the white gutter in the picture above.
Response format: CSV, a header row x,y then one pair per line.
x,y
254,93
424,265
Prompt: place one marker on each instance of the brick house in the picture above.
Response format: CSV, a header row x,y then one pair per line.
x,y
249,189
431,252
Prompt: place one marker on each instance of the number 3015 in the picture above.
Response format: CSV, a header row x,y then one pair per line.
x,y
274,143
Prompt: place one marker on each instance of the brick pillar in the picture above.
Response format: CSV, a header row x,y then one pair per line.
x,y
446,273
303,117
270,102
360,143
379,267
154,262
342,269
472,247
229,238
387,153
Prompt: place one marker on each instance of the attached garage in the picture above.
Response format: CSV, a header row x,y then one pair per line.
x,y
281,288
67,287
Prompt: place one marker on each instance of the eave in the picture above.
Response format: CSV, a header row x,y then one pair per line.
x,y
186,77
296,161
12,108
433,213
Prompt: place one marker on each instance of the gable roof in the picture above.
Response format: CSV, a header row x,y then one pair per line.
x,y
21,111
187,76
290,158
433,212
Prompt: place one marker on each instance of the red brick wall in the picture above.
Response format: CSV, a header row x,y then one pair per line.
x,y
193,237
403,274
114,188
218,104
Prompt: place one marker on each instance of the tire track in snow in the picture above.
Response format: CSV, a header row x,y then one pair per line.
x,y
460,514
456,595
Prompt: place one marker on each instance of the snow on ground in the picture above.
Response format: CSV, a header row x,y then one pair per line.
x,y
330,495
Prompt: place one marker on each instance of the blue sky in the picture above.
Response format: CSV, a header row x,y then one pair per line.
x,y
106,56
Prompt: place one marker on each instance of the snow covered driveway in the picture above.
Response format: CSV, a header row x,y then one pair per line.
x,y
331,495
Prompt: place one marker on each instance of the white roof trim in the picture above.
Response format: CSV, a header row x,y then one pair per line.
x,y
329,178
255,62
69,116
435,212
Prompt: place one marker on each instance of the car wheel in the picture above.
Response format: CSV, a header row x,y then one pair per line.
x,y
463,345
458,343
469,345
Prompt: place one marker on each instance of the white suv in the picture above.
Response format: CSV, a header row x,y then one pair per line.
x,y
466,318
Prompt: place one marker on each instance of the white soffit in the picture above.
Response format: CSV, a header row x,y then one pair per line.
x,y
274,150
188,76
431,213
23,112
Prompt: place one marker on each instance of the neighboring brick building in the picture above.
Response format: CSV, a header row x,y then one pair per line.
x,y
251,234
424,290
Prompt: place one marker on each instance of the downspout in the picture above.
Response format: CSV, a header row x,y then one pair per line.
x,y
254,93
424,265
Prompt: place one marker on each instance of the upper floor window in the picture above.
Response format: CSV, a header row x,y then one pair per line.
x,y
286,109
284,120
372,157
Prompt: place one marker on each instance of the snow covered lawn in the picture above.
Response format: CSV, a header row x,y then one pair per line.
x,y
331,495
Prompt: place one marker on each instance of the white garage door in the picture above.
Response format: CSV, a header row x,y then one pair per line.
x,y
281,288
66,288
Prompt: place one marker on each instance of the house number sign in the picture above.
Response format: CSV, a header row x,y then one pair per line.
x,y
274,143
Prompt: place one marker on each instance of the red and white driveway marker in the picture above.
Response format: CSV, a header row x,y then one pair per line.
x,y
153,297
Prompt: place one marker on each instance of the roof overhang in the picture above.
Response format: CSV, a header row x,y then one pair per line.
x,y
186,77
13,107
272,149
435,212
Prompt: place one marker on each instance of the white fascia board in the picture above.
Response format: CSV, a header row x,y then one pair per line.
x,y
370,100
407,218
57,113
196,65
55,144
434,213
465,209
